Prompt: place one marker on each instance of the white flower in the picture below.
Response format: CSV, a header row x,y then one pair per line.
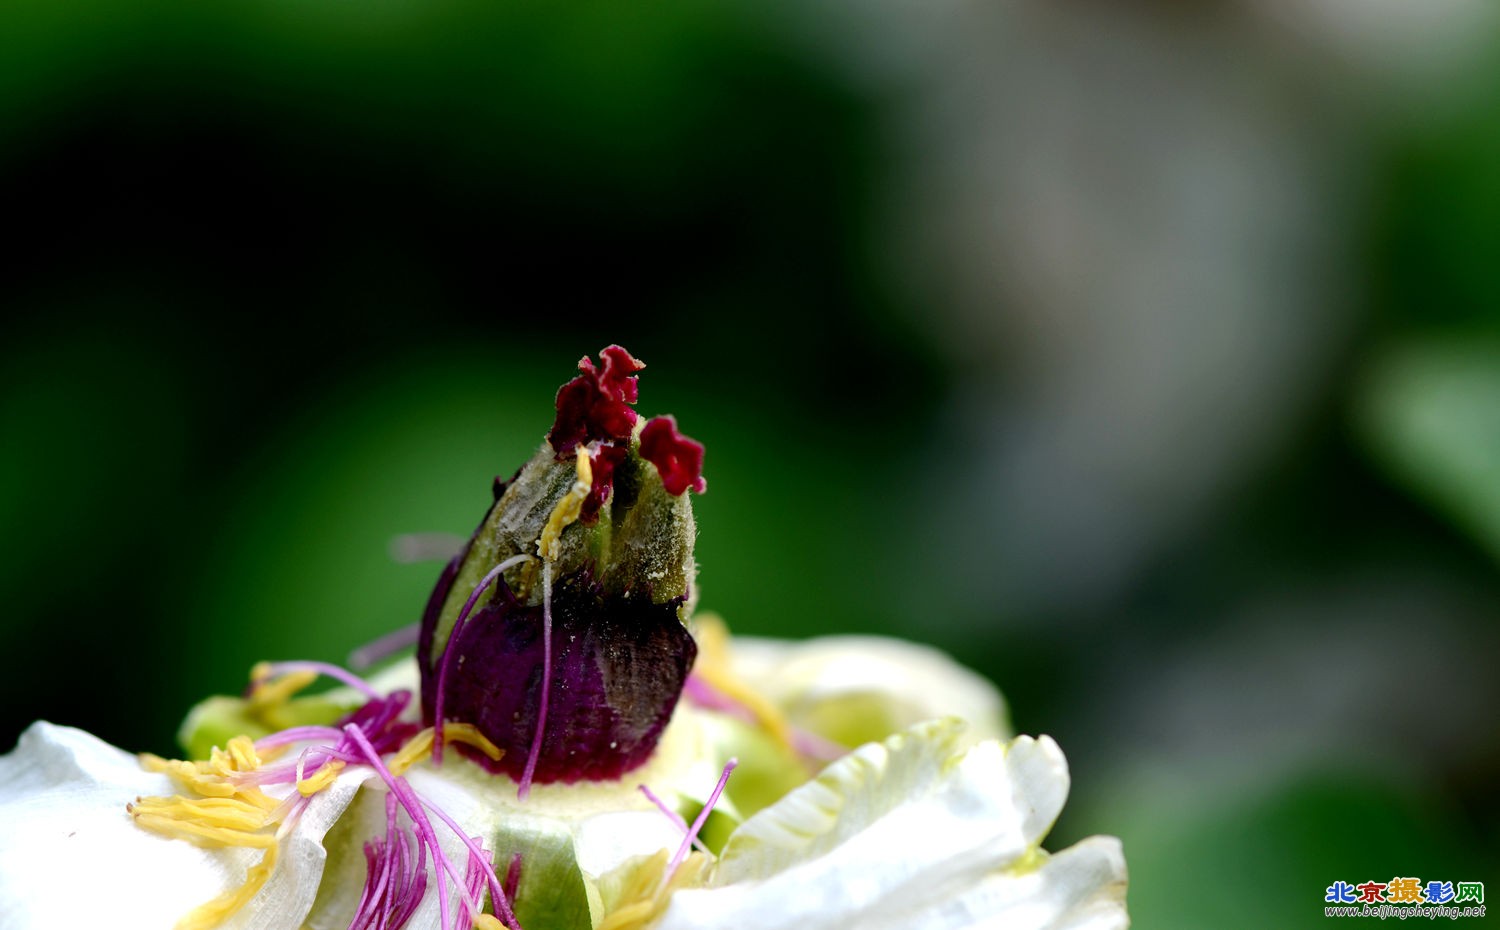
x,y
931,828
914,832
72,854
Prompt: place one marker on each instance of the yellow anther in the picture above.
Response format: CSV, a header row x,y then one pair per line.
x,y
629,917
637,900
215,813
227,814
241,754
215,912
219,763
196,777
765,713
648,889
202,834
488,922
414,751
714,667
469,735
190,775
567,509
267,692
324,777
420,746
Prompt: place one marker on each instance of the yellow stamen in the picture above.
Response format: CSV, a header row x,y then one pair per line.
x,y
634,914
321,779
564,514
714,667
648,889
188,774
420,745
229,812
267,692
203,835
225,813
238,756
272,703
215,912
199,778
638,896
567,510
415,749
469,735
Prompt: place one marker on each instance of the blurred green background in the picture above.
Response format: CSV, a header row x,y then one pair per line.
x,y
1145,356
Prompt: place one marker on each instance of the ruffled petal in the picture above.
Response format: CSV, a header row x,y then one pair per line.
x,y
1080,888
927,829
913,832
288,896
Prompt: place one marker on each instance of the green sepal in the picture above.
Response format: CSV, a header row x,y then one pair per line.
x,y
552,894
216,720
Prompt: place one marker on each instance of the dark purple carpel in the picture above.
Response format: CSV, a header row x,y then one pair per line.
x,y
618,668
428,628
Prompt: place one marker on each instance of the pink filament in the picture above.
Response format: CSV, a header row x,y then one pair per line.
x,y
700,820
387,645
804,742
513,876
396,877
497,893
418,815
672,815
297,735
329,670
355,747
541,717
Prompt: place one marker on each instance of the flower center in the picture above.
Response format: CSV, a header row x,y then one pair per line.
x,y
232,808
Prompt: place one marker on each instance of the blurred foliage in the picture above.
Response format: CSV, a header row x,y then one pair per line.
x,y
294,279
1259,852
1433,412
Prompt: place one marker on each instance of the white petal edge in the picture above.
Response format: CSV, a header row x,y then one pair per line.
x,y
71,847
293,887
909,682
914,833
1081,888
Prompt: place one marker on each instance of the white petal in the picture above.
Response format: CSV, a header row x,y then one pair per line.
x,y
912,833
860,684
69,844
365,820
606,842
289,893
1080,888
569,835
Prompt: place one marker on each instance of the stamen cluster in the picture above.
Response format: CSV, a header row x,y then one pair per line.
x,y
234,808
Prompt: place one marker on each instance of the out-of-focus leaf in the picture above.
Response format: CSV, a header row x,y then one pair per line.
x,y
1431,414
1262,855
